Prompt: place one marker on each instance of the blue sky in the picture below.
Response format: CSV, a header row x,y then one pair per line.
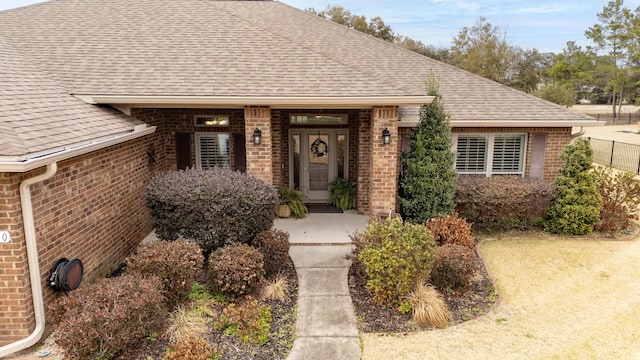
x,y
542,24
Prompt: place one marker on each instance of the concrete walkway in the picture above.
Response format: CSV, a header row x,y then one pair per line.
x,y
326,325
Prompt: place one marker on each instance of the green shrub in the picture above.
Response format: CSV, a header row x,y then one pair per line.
x,y
428,181
576,202
235,269
454,267
620,193
342,193
177,264
502,202
396,256
451,229
293,199
249,321
274,247
107,317
213,207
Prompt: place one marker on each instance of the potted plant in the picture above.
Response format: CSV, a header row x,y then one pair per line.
x,y
290,203
342,193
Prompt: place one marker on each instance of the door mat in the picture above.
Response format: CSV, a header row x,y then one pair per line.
x,y
323,209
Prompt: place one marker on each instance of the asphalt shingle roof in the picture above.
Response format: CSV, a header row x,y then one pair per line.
x,y
37,115
217,48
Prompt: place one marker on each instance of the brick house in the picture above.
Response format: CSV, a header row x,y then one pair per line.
x,y
98,96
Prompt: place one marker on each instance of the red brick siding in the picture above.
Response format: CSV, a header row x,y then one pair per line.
x,y
259,157
383,161
170,121
15,298
364,162
93,209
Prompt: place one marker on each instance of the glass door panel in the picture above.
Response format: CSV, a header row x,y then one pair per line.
x,y
316,158
319,156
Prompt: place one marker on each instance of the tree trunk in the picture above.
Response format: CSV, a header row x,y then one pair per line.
x,y
614,103
620,98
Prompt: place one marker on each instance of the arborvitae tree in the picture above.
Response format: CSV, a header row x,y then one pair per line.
x,y
428,180
576,203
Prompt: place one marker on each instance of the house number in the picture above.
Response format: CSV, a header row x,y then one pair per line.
x,y
5,237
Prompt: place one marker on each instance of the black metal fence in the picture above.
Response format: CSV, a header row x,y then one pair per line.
x,y
616,154
623,118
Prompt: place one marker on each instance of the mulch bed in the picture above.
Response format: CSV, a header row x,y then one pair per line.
x,y
282,333
465,305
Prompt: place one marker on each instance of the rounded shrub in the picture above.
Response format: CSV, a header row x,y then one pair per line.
x,y
235,269
454,267
213,207
396,256
274,247
451,229
176,263
103,319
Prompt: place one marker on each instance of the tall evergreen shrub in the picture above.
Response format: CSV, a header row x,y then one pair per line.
x,y
428,181
576,202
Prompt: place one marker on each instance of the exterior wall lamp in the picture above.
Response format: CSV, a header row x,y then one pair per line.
x,y
257,136
386,136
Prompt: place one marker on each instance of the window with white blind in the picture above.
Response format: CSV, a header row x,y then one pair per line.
x,y
471,154
490,154
212,150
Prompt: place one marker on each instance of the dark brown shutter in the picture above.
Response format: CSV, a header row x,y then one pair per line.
x,y
239,152
183,150
538,146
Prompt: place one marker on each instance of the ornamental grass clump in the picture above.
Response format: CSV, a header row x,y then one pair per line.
x,y
395,256
214,207
177,264
428,307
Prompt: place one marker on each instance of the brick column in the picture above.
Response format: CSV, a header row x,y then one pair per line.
x,y
259,157
383,161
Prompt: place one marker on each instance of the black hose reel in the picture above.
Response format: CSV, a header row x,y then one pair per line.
x,y
66,275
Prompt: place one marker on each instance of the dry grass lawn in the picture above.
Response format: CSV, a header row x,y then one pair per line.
x,y
560,298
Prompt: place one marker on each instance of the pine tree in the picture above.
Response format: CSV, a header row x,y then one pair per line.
x,y
576,203
428,180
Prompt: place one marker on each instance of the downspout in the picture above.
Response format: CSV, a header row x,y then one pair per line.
x,y
34,266
579,133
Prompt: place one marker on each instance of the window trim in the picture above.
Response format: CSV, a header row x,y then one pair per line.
x,y
344,119
200,135
209,116
491,137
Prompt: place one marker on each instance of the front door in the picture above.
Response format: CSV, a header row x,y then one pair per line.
x,y
317,158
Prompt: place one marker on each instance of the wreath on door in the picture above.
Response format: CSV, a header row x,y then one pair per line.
x,y
319,148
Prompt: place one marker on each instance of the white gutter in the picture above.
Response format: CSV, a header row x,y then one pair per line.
x,y
34,266
527,123
23,165
411,122
275,102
